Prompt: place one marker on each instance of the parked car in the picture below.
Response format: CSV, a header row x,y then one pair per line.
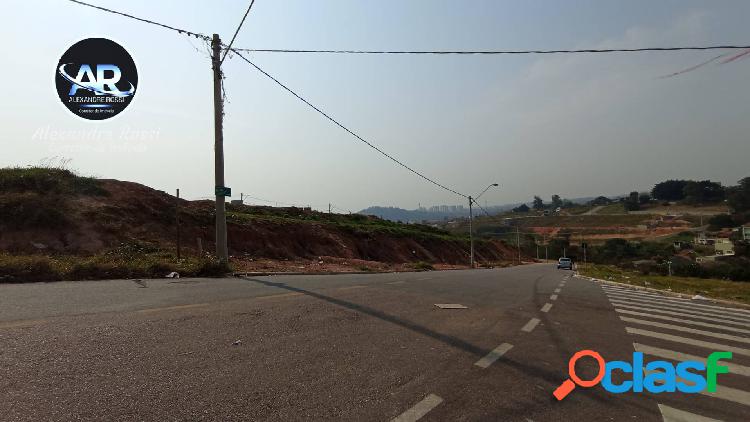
x,y
565,264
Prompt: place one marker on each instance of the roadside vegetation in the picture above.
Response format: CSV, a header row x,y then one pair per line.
x,y
125,262
707,287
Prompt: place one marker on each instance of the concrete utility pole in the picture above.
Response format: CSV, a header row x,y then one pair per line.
x,y
518,244
177,218
221,219
471,232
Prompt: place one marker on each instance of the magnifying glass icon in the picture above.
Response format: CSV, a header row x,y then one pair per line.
x,y
569,384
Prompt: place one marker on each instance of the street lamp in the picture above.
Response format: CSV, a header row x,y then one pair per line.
x,y
471,217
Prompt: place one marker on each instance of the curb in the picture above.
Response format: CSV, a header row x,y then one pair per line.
x,y
662,292
274,273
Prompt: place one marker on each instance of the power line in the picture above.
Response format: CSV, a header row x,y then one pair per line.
x,y
324,114
496,52
252,2
181,31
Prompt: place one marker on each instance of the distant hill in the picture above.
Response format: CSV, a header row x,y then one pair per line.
x,y
429,214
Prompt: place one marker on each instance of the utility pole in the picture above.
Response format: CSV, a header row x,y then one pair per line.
x,y
329,208
471,232
221,219
177,218
546,252
518,244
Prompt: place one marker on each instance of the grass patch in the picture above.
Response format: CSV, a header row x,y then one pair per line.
x,y
48,180
115,264
712,288
354,223
423,266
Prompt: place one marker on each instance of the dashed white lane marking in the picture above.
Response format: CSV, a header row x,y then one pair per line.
x,y
172,308
420,409
494,355
722,392
686,330
670,414
423,279
619,304
685,308
684,321
557,290
396,282
533,322
689,341
451,306
553,297
22,323
359,286
734,368
546,307
741,313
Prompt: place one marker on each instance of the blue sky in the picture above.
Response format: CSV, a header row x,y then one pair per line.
x,y
538,125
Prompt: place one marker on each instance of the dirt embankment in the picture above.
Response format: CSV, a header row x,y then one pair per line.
x,y
127,213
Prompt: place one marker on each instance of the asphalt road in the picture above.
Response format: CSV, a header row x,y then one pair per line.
x,y
354,348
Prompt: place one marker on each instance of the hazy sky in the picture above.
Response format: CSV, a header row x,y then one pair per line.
x,y
573,125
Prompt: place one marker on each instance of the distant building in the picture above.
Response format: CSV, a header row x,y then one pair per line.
x,y
723,247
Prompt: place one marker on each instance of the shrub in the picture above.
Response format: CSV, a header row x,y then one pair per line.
x,y
423,266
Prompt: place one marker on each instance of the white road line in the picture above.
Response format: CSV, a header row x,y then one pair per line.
x,y
557,290
684,321
682,307
420,409
553,297
670,414
679,356
722,392
688,341
494,355
687,330
663,298
546,307
619,304
530,325
396,282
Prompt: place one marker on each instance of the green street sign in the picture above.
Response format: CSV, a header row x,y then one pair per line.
x,y
223,191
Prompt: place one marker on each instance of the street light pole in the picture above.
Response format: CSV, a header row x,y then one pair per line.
x,y
471,217
471,232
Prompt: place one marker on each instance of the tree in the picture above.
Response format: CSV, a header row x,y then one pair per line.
x,y
703,191
739,196
601,200
556,201
631,202
671,190
567,203
720,221
521,208
538,203
644,198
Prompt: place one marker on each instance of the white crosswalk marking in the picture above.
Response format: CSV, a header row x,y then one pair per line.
x,y
675,329
685,307
686,329
677,356
694,315
670,414
741,312
684,321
